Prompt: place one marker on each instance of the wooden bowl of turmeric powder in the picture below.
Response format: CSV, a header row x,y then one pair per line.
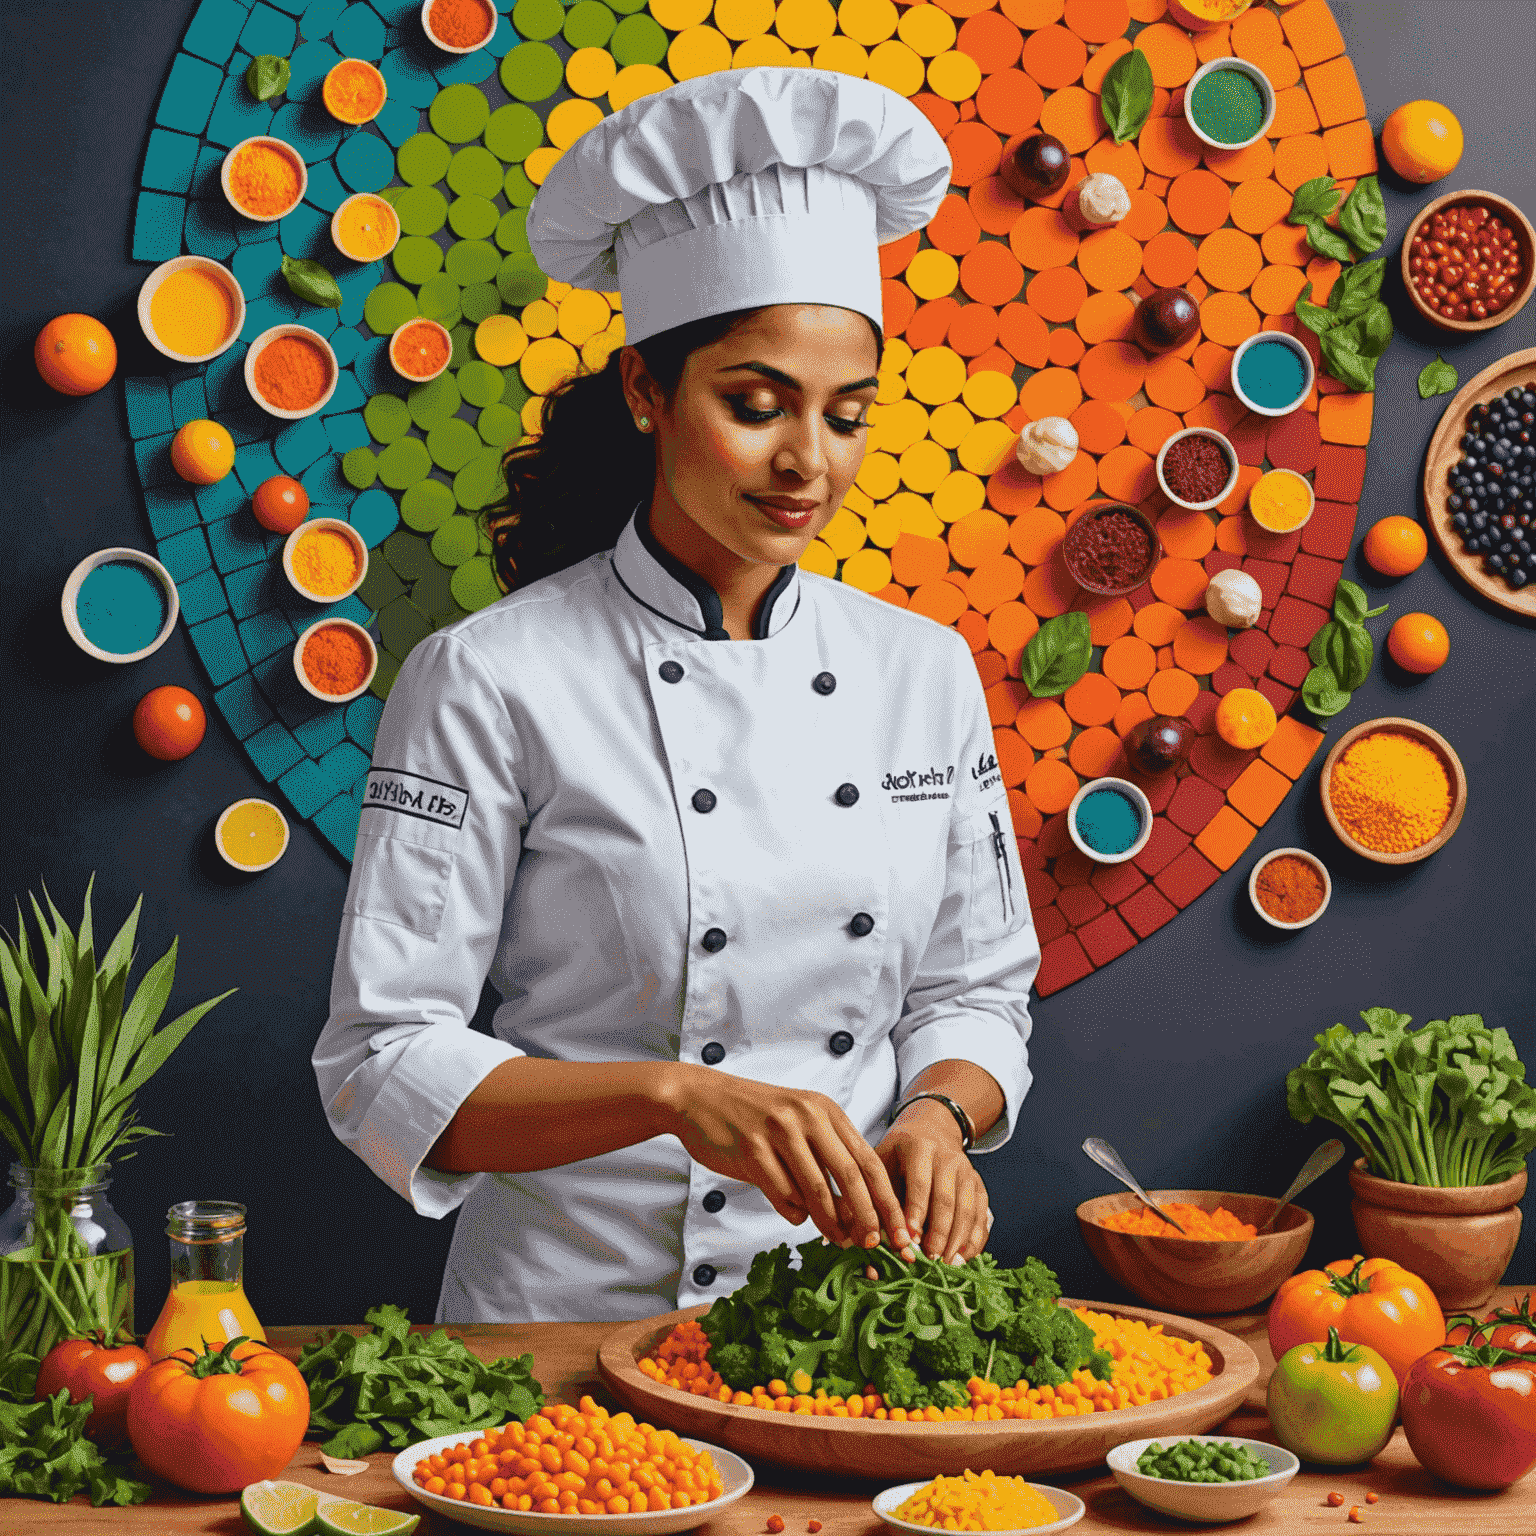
x,y
1393,790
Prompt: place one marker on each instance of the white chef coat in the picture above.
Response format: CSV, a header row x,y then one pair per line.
x,y
788,856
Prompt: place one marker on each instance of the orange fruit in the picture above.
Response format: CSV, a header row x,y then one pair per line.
x,y
1418,642
203,452
1245,718
280,504
1395,546
169,723
1422,141
75,354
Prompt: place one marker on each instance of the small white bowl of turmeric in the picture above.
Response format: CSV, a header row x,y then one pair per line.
x,y
191,309
365,227
325,559
923,1507
264,178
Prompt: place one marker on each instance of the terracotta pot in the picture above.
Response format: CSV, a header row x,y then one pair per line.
x,y
1458,1241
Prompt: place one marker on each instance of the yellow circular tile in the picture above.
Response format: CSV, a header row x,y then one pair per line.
x,y
634,81
930,274
926,30
869,570
676,15
805,23
985,447
954,76
936,374
843,55
987,393
896,427
844,534
500,340
883,525
532,415
867,21
950,423
894,65
896,355
800,59
571,119
583,314
878,476
547,362
917,517
540,162
959,494
556,291
857,501
589,72
741,19
924,466
818,559
596,352
892,388
540,318
698,51
768,49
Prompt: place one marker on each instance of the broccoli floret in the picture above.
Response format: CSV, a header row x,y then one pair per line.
x,y
775,1351
1028,1332
1007,1369
1044,1372
768,1317
806,1310
952,1354
845,1364
737,1365
1101,1363
1051,1340
890,1361
949,1394
838,1386
1034,1278
901,1389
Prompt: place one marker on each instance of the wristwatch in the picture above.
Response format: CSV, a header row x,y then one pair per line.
x,y
963,1120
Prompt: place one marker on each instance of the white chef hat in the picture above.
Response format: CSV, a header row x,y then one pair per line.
x,y
746,187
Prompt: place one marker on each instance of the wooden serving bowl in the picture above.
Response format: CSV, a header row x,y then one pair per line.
x,y
1437,743
1188,1273
1525,243
1071,546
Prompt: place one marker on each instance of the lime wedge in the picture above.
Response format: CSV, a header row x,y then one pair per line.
x,y
344,1517
282,1509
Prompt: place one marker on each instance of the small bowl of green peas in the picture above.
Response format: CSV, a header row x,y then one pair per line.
x,y
1214,1478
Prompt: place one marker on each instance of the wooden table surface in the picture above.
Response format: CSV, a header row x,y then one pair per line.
x,y
565,1354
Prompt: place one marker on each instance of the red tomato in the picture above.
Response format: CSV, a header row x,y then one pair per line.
x,y
280,504
169,723
217,1420
1469,1412
92,1368
1505,1328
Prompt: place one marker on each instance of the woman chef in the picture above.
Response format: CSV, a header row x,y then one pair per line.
x,y
729,839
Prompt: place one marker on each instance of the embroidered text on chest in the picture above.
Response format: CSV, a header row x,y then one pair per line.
x,y
986,773
919,783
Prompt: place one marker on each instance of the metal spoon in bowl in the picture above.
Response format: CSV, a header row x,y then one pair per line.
x,y
1314,1168
1110,1160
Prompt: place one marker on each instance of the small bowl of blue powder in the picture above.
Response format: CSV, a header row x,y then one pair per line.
x,y
1272,373
1110,820
1229,103
120,605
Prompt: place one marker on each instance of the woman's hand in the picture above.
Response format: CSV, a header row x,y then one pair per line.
x,y
947,1209
798,1147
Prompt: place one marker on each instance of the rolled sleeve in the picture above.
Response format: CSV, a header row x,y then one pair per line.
x,y
437,850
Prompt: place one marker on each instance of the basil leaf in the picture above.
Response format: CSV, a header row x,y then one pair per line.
x,y
312,283
1336,656
1317,650
1358,652
1321,692
267,77
1314,199
1342,359
1059,654
1372,613
1126,96
1368,335
1437,378
1327,242
1357,288
1364,216
1349,602
1314,316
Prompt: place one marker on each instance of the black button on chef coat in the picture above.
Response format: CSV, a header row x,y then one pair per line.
x,y
841,1043
671,671
712,1054
703,800
847,794
823,683
713,1201
861,925
714,940
704,1275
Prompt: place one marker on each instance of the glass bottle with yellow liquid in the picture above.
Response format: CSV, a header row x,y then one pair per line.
x,y
207,1296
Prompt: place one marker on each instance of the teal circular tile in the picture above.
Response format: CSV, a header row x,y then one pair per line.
x,y
475,169
418,257
459,113
473,261
422,210
404,462
434,402
365,162
388,307
427,505
423,159
480,384
452,444
386,418
513,132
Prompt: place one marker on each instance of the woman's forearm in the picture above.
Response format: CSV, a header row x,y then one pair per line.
x,y
973,1088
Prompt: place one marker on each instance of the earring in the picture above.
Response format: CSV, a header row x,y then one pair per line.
x,y
643,423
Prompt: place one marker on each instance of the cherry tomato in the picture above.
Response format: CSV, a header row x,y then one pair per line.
x,y
92,1367
1469,1412
280,504
169,723
1505,1328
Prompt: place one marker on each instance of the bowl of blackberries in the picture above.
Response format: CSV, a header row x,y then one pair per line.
x,y
1492,498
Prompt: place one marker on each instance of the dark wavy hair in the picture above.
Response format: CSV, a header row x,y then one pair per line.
x,y
571,489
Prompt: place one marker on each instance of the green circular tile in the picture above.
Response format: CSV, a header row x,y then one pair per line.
x,y
516,394
589,24
404,462
480,482
433,593
520,280
387,418
402,625
534,71
463,339
473,218
422,210
433,402
517,188
626,7
473,261
480,384
417,258
359,468
637,39
388,307
384,677
512,232
459,113
499,425
455,542
476,170
538,19
422,160
427,505
513,132
438,298
474,584
480,301
453,443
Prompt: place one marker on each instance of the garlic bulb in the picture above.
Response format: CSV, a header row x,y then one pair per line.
x,y
1233,598
1102,199
1047,446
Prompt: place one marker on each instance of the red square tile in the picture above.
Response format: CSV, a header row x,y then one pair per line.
x,y
1106,938
1054,839
1216,762
1313,578
1157,787
1166,843
1072,868
1294,442
1114,882
1340,473
1079,904
1194,803
1187,877
1295,622
1049,924
1270,575
1147,910
1264,545
1330,530
1248,436
1030,856
1251,650
1042,889
1228,676
1202,712
1278,694
1220,560
1142,596
1290,665
1062,962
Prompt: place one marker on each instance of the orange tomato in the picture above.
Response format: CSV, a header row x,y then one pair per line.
x,y
203,452
1422,141
75,354
1395,546
169,723
1418,642
280,504
1370,1301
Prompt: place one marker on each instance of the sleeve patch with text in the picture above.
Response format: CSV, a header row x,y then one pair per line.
x,y
412,794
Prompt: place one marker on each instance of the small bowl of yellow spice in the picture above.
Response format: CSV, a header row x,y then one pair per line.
x,y
1393,790
191,309
325,559
1000,1505
365,227
1281,501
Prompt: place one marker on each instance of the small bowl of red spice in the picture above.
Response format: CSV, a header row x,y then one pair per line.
x,y
458,26
1290,888
325,559
1111,549
291,371
264,178
1197,469
420,350
1469,262
335,660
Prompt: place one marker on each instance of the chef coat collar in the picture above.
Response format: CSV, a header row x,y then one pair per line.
x,y
659,581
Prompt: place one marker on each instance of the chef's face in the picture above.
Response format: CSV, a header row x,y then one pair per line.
x,y
766,429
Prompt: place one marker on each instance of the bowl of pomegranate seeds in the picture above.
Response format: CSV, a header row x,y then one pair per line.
x,y
1468,261
1111,549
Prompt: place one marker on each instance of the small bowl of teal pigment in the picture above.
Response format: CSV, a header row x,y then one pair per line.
x,y
1272,373
1229,103
120,605
1110,820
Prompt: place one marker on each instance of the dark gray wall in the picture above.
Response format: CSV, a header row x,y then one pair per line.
x,y
1176,1053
